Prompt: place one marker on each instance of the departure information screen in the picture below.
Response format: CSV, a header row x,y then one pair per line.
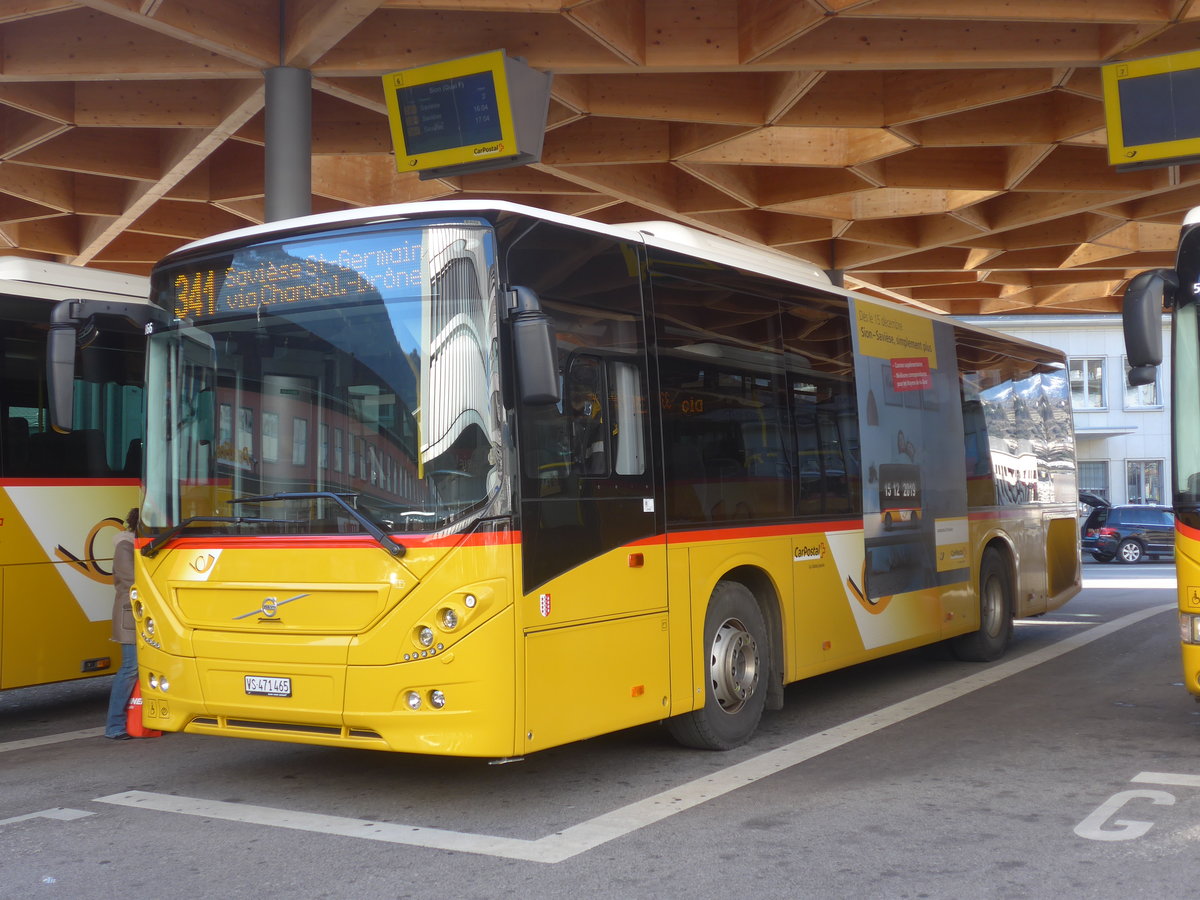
x,y
456,112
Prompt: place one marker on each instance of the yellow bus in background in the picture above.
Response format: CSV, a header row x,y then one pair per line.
x,y
1147,297
63,496
479,479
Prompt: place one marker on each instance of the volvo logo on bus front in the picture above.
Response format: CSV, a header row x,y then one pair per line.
x,y
269,608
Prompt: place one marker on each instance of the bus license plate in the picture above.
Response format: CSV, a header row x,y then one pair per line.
x,y
263,686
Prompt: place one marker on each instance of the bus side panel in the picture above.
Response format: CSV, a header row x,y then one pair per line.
x,y
586,680
56,605
685,693
596,647
1187,574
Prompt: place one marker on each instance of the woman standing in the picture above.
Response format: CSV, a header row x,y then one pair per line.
x,y
123,631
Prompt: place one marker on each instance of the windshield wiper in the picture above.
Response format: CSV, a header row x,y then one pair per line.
x,y
152,548
384,539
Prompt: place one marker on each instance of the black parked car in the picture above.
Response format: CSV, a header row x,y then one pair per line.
x,y
1129,533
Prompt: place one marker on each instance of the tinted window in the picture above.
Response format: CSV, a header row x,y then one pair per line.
x,y
106,439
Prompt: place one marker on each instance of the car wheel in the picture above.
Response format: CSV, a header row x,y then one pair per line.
x,y
1129,552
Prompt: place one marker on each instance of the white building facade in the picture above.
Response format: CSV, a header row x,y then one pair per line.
x,y
1122,433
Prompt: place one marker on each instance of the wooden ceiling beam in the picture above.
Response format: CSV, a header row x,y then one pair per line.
x,y
787,146
1128,11
717,99
393,39
598,141
189,149
49,101
313,27
371,180
845,43
766,25
109,49
619,25
244,32
149,104
185,220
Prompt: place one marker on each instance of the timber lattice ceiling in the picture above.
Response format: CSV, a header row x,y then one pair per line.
x,y
950,152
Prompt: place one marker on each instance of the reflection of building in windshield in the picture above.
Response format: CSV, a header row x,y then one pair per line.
x,y
455,366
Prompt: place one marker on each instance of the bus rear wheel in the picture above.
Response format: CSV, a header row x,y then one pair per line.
x,y
995,613
738,666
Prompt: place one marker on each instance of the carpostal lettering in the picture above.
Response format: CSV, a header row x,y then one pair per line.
x,y
808,553
487,149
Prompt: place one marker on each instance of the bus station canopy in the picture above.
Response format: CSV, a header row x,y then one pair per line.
x,y
950,153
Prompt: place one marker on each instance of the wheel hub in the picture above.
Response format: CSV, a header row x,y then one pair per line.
x,y
733,665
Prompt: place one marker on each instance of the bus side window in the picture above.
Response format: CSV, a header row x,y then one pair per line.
x,y
628,416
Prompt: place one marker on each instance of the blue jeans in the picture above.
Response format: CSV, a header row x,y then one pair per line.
x,y
122,688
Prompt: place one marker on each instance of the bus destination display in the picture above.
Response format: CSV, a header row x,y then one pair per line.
x,y
272,277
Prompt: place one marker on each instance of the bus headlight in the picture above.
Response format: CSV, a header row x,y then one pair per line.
x,y
1189,628
413,699
437,699
149,626
448,619
425,636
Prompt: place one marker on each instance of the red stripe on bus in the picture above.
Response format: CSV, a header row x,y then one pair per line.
x,y
757,531
1187,531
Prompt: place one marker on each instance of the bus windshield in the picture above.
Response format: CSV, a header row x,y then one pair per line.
x,y
359,366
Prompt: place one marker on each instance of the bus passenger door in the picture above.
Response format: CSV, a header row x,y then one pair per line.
x,y
593,561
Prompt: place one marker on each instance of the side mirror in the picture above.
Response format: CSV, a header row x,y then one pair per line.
x,y
534,349
1146,296
73,325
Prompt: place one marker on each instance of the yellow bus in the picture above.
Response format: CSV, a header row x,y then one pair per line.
x,y
477,479
63,496
1147,297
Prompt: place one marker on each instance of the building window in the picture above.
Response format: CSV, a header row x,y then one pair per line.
x,y
1143,478
1087,383
1144,396
1093,477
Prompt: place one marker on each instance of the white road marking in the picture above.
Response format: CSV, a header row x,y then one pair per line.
x,y
51,739
1166,778
60,813
1150,583
570,842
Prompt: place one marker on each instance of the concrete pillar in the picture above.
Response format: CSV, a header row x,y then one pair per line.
x,y
288,169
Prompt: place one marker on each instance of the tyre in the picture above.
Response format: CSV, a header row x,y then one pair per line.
x,y
1101,557
738,668
995,613
1130,551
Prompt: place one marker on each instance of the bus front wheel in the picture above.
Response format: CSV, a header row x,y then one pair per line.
x,y
995,613
737,660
